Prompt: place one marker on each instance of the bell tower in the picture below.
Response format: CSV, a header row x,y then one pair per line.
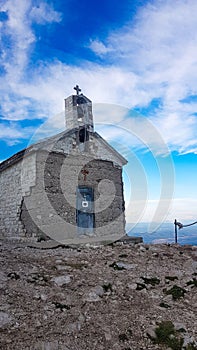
x,y
78,111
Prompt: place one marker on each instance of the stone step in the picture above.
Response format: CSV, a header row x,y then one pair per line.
x,y
131,239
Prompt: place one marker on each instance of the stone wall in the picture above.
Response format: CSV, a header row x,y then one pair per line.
x,y
96,147
15,182
52,203
38,192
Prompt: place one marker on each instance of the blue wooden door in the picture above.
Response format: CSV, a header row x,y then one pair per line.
x,y
85,210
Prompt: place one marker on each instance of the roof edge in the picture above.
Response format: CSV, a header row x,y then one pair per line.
x,y
36,146
123,160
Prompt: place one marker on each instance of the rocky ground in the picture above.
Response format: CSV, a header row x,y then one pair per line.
x,y
115,297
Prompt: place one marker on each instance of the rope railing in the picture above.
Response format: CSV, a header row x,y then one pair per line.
x,y
180,226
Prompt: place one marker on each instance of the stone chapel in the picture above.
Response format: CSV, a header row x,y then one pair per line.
x,y
67,187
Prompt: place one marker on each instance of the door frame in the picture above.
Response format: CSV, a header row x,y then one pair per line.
x,y
80,229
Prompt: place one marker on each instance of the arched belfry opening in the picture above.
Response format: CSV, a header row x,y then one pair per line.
x,y
83,134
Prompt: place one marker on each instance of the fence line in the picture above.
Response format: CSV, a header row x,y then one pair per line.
x,y
176,223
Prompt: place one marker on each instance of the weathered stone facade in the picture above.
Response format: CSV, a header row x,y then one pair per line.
x,y
40,186
15,183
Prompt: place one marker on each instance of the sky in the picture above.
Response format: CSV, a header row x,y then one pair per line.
x,y
137,61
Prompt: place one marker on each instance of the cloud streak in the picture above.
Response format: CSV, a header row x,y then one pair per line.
x,y
12,133
160,48
17,41
152,57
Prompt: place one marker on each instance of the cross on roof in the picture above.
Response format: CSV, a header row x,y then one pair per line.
x,y
77,88
85,173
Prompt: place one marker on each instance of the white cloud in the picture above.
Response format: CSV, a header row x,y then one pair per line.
x,y
160,48
52,82
13,133
18,38
99,48
17,41
19,35
153,57
44,13
182,209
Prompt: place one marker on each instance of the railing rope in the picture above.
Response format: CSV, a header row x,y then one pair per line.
x,y
180,225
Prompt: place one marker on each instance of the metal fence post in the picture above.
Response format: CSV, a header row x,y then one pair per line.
x,y
175,230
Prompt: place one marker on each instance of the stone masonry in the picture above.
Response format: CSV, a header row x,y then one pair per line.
x,y
15,183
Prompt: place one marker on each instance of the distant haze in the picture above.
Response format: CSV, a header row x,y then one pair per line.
x,y
164,234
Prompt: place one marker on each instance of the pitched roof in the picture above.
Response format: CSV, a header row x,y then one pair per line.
x,y
40,144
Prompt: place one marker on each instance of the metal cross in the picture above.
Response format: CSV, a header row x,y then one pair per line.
x,y
77,88
85,173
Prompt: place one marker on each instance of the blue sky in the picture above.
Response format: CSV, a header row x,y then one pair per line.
x,y
137,61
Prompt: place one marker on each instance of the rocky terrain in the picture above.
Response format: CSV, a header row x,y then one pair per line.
x,y
118,297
